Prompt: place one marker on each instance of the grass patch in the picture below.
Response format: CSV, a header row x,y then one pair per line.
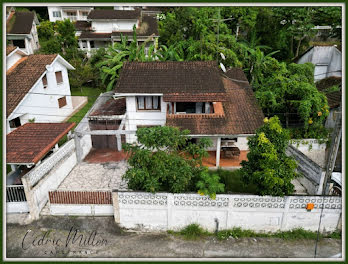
x,y
92,93
233,182
294,234
191,232
195,232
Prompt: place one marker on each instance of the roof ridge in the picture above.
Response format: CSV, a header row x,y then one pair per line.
x,y
14,66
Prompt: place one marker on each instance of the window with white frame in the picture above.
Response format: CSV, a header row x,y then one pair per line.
x,y
57,14
148,103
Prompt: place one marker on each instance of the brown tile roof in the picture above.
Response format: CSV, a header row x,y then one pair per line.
x,y
21,78
20,23
31,142
82,25
111,107
148,27
170,77
114,14
242,115
334,99
9,49
93,35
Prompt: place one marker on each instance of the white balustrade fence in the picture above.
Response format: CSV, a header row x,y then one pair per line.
x,y
48,164
165,211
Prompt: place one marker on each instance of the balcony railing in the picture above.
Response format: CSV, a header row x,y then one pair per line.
x,y
15,193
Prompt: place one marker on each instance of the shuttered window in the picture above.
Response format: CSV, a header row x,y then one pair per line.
x,y
59,77
44,81
62,102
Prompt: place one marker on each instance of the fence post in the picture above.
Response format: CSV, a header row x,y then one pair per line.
x,y
170,209
116,206
32,204
285,213
78,147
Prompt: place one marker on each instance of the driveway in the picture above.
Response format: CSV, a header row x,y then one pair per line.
x,y
100,237
95,176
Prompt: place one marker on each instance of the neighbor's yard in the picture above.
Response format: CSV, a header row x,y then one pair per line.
x,y
92,93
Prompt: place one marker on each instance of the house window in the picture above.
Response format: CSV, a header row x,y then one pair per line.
x,y
57,14
84,44
62,102
84,14
44,81
148,103
15,122
59,77
92,44
19,43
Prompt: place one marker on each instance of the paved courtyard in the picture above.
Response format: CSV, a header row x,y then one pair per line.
x,y
93,176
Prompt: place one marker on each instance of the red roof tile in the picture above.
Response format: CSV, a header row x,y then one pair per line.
x,y
32,141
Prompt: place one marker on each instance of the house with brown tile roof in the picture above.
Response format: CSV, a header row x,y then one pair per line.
x,y
193,95
105,26
38,89
21,30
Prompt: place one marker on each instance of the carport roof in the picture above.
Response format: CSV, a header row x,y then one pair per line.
x,y
29,143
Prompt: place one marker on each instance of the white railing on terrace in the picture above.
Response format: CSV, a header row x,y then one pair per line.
x,y
15,193
38,172
72,18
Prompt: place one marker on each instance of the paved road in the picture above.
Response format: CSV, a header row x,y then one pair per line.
x,y
101,237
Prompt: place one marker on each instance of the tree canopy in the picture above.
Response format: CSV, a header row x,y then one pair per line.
x,y
164,159
268,167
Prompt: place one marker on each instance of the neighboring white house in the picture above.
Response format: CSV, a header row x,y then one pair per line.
x,y
327,61
194,95
38,89
73,13
21,31
105,26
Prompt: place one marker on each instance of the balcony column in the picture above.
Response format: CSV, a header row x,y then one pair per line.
x,y
88,45
218,149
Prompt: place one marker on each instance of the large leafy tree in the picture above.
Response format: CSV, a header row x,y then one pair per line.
x,y
165,160
268,167
115,55
289,92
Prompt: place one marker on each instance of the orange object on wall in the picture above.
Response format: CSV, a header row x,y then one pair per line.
x,y
310,206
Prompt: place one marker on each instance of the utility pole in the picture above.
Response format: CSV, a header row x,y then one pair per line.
x,y
218,30
335,143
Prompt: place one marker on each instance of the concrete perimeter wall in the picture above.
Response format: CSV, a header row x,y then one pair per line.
x,y
163,211
47,176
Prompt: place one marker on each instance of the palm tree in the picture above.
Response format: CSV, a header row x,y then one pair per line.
x,y
120,52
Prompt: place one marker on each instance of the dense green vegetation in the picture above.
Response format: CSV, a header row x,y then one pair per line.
x,y
268,167
195,232
232,179
165,160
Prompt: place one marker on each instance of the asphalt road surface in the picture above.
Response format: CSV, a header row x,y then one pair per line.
x,y
100,237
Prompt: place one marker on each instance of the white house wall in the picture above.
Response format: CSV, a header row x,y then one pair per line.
x,y
143,118
52,9
12,59
42,104
114,25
